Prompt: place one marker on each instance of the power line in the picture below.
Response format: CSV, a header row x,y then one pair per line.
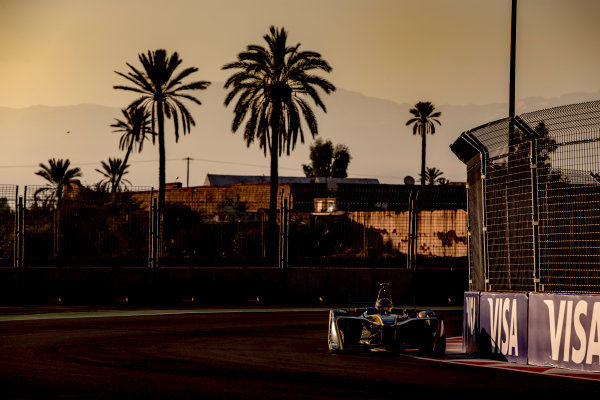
x,y
193,159
145,161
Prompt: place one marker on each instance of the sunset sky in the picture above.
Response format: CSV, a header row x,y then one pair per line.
x,y
63,52
450,52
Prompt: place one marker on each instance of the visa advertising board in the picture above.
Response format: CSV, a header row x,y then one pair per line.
x,y
564,331
503,326
470,322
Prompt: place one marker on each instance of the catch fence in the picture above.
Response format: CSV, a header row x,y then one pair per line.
x,y
534,201
344,225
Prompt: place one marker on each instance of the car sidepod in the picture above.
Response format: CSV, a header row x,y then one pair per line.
x,y
333,336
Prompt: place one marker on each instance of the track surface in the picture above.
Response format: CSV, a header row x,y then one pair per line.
x,y
247,354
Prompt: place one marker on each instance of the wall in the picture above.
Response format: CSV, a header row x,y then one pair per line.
x,y
220,286
207,198
441,233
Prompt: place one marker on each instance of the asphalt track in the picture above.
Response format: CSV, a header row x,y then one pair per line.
x,y
220,354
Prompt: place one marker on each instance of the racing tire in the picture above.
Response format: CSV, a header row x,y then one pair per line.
x,y
440,347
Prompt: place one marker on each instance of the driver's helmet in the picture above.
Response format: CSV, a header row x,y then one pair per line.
x,y
384,299
384,305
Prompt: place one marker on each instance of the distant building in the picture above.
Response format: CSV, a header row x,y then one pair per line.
x,y
252,190
381,212
353,217
222,180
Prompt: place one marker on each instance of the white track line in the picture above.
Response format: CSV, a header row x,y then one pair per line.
x,y
454,350
108,314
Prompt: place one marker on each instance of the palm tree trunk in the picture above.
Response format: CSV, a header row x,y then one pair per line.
x,y
423,152
274,172
56,233
118,181
161,172
274,180
56,217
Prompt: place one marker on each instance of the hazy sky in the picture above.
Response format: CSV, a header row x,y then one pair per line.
x,y
450,52
63,52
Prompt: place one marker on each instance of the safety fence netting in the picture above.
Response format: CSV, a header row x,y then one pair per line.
x,y
343,225
535,202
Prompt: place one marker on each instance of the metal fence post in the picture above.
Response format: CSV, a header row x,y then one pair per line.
x,y
20,211
409,258
18,230
153,234
283,233
484,225
19,234
469,243
412,230
365,219
535,216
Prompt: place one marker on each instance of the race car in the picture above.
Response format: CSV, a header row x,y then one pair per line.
x,y
384,327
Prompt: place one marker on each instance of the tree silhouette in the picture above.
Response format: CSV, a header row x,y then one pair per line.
x,y
135,128
434,176
341,160
327,161
161,92
423,124
271,85
546,145
113,173
58,174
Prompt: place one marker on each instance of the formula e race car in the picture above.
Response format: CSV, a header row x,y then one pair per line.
x,y
385,327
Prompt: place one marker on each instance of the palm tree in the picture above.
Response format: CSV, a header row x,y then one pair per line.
x,y
112,173
433,176
58,174
273,84
135,127
423,124
161,92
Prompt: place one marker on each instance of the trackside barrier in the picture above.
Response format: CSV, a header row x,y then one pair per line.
x,y
559,330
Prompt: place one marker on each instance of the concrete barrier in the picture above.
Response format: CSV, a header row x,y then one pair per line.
x,y
308,286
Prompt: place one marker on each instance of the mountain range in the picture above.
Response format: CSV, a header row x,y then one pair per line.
x,y
374,130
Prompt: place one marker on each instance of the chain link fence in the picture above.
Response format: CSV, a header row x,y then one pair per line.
x,y
216,226
83,227
8,223
534,201
401,226
345,225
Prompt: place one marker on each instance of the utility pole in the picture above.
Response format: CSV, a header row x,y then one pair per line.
x,y
513,45
511,95
188,171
